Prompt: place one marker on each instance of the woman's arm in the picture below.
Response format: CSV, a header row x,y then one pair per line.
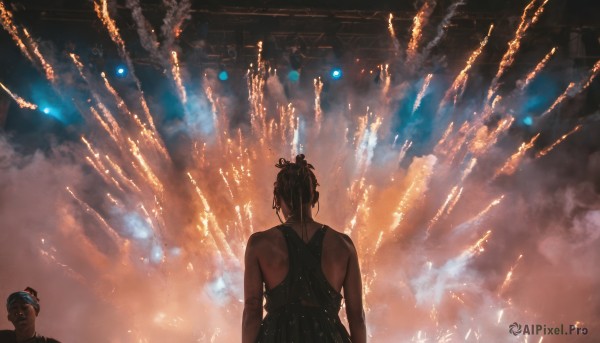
x,y
353,295
253,292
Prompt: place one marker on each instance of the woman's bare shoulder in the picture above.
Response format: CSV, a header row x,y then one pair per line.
x,y
261,237
341,239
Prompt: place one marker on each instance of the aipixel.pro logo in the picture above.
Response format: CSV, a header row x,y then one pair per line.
x,y
543,329
515,328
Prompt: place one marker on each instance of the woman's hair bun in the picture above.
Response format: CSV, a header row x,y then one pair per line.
x,y
300,160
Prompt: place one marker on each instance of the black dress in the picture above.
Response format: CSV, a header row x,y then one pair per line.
x,y
304,307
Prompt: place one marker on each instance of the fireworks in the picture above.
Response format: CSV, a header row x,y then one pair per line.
x,y
420,213
9,26
419,21
177,77
511,165
20,101
515,44
318,111
524,83
422,92
574,88
546,150
458,86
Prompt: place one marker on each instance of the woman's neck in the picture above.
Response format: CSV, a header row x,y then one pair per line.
x,y
297,220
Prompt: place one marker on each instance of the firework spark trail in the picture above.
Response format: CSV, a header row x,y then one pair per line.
x,y
407,144
213,105
455,91
112,127
450,198
522,84
177,14
419,21
286,124
176,72
575,88
514,45
441,144
478,246
20,101
484,140
148,38
256,85
249,215
48,70
546,150
468,169
104,173
434,282
68,270
387,80
123,107
419,174
318,111
214,229
296,146
101,10
477,219
422,93
454,201
99,166
513,162
149,135
27,44
442,27
560,98
148,173
121,174
361,191
112,233
391,26
226,183
366,142
115,128
9,26
508,278
453,146
393,34
104,125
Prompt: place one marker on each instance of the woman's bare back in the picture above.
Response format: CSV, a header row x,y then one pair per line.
x,y
274,259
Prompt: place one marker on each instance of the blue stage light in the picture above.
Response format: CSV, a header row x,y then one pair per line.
x,y
223,75
121,71
46,110
528,121
336,73
294,75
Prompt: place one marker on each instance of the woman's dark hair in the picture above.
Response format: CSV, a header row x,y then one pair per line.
x,y
296,184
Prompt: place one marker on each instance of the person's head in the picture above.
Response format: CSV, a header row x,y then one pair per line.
x,y
295,187
23,307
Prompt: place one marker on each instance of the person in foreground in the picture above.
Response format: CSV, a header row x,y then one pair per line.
x,y
23,308
304,266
